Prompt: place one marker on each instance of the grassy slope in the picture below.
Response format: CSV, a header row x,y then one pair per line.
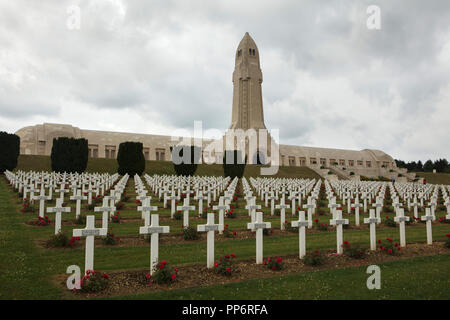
x,y
435,178
39,163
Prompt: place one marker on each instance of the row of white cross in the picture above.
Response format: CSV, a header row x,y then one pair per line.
x,y
152,227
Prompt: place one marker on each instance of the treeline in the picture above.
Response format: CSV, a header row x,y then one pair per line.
x,y
440,165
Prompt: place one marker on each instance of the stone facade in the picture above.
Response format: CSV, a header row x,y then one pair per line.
x,y
247,113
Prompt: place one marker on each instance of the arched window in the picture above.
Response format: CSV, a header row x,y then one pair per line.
x,y
250,51
253,50
239,52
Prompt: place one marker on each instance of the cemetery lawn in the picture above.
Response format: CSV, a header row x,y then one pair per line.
x,y
421,278
28,269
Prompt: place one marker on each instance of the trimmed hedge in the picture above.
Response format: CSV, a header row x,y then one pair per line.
x,y
69,155
235,166
130,158
179,158
10,148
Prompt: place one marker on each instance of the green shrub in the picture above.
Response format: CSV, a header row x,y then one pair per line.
x,y
69,155
185,159
274,264
389,222
27,207
190,233
230,214
233,164
313,258
110,239
354,251
58,240
10,147
447,241
389,246
227,233
163,273
178,215
225,265
267,232
42,222
320,225
94,281
130,158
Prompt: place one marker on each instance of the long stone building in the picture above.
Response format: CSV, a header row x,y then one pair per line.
x,y
247,113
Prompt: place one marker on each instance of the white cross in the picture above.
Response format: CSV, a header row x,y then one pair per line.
x,y
292,197
415,204
338,222
42,198
428,217
309,206
105,209
301,224
400,218
61,191
172,199
89,190
78,198
447,204
333,206
282,206
357,205
154,230
221,207
89,232
146,209
378,205
396,205
372,221
272,198
186,208
200,197
210,227
58,209
252,207
433,207
259,225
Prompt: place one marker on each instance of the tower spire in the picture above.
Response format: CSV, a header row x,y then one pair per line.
x,y
247,95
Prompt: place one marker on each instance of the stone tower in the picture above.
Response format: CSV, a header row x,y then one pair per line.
x,y
247,95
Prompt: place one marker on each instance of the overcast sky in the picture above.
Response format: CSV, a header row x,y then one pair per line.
x,y
154,66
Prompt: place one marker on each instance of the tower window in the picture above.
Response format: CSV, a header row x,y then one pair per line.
x,y
253,51
250,51
239,52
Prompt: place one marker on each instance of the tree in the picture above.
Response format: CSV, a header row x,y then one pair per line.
x,y
185,159
130,158
419,166
441,165
233,164
10,148
69,155
428,166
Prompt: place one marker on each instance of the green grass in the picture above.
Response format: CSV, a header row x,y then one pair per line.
x,y
419,278
42,163
25,269
435,178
